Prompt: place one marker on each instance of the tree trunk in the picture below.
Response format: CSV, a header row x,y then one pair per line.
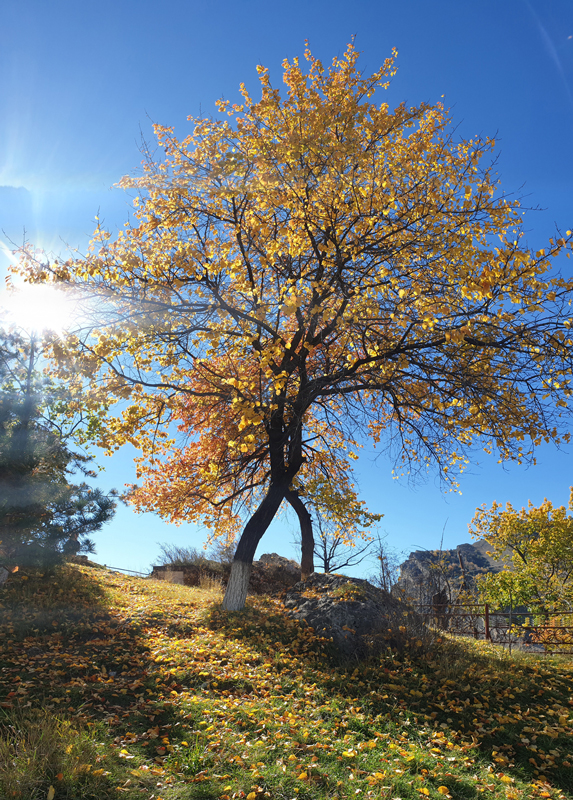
x,y
238,584
306,535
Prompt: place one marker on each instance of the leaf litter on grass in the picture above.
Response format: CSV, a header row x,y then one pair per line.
x,y
183,700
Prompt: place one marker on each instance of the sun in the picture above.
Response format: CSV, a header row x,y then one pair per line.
x,y
40,308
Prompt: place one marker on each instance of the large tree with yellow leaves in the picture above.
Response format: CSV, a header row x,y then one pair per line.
x,y
322,267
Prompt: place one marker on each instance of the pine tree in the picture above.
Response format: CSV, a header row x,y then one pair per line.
x,y
42,514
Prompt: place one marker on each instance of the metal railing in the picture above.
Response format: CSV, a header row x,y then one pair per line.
x,y
513,627
130,571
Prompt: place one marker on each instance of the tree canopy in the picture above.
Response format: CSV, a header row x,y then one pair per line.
x,y
535,545
323,268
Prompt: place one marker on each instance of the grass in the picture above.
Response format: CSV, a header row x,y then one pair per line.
x,y
117,687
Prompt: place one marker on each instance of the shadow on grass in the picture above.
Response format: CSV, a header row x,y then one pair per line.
x,y
512,711
68,651
66,664
85,706
36,601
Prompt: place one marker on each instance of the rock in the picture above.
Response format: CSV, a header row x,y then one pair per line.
x,y
274,560
426,572
350,611
271,574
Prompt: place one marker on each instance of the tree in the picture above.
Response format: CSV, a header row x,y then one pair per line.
x,y
201,479
358,263
341,533
331,552
387,567
42,515
535,545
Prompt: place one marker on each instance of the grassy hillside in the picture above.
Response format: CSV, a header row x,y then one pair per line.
x,y
116,687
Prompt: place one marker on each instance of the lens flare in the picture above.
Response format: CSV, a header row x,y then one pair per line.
x,y
39,308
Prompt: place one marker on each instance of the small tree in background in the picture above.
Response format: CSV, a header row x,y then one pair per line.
x,y
535,545
340,523
332,553
387,564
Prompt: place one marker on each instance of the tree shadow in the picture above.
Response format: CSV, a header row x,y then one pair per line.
x,y
504,710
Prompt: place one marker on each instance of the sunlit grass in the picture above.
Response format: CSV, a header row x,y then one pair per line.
x,y
170,697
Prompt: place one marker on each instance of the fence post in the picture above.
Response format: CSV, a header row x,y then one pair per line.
x,y
486,620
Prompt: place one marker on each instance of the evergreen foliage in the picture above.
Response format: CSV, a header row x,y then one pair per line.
x,y
42,514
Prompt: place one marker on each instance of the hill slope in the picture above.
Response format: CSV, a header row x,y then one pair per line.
x,y
149,690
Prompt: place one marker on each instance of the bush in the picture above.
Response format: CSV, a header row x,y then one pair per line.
x,y
174,556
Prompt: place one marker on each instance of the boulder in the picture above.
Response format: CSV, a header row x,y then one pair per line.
x,y
350,611
273,574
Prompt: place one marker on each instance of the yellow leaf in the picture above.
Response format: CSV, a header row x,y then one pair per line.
x,y
303,776
51,793
443,789
251,796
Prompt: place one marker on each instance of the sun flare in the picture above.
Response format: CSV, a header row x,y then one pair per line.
x,y
39,308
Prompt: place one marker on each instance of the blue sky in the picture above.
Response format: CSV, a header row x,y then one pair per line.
x,y
80,84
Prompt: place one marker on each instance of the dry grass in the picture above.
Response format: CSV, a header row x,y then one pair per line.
x,y
212,587
38,750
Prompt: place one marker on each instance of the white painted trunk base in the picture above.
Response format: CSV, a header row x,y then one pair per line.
x,y
237,587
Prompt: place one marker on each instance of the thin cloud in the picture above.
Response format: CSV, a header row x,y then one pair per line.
x,y
552,51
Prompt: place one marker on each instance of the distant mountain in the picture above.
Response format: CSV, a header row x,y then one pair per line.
x,y
426,572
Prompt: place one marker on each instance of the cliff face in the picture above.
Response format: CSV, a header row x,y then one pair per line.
x,y
427,572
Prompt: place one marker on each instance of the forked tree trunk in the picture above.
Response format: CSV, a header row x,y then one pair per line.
x,y
238,585
306,535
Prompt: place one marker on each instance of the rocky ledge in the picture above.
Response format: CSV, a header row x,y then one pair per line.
x,y
349,611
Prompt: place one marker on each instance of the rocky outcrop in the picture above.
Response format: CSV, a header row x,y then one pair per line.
x,y
427,572
349,611
271,574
